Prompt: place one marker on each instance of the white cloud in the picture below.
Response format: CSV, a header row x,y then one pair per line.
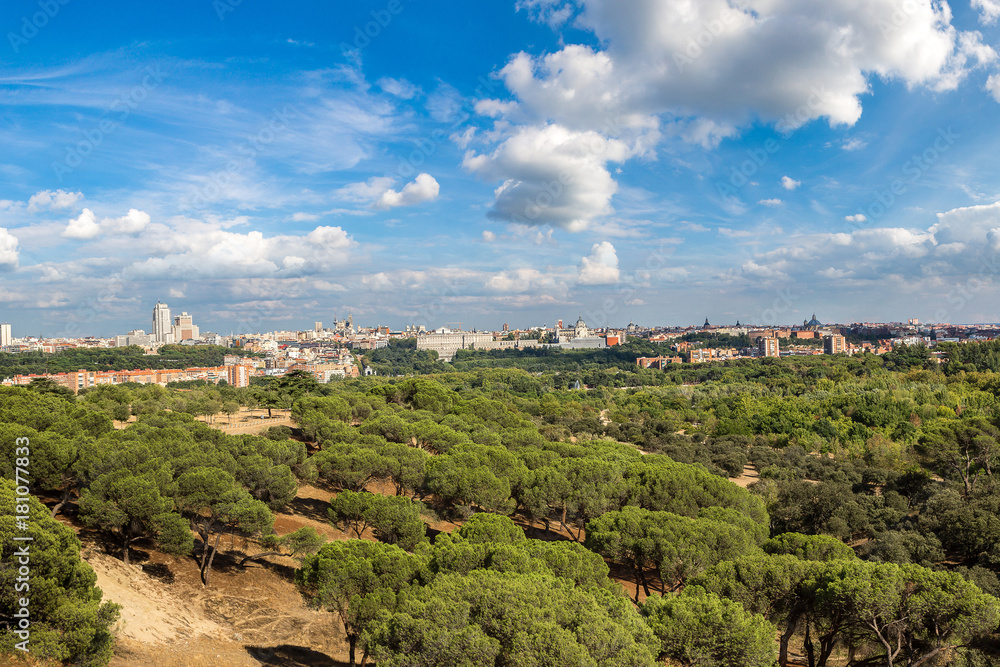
x,y
786,62
854,145
85,226
519,281
993,86
860,217
304,217
771,202
175,293
195,249
53,200
551,175
989,10
789,183
553,12
489,236
768,271
423,189
366,192
600,267
8,250
131,223
400,88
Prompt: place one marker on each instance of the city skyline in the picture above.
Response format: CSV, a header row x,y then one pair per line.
x,y
266,168
173,324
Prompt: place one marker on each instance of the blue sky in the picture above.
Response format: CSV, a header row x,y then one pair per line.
x,y
265,167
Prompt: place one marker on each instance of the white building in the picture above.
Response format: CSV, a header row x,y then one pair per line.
x,y
5,338
162,331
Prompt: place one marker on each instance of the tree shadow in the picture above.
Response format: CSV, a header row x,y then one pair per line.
x,y
286,655
311,508
159,571
284,571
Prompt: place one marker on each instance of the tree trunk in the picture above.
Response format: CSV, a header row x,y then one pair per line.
x,y
215,548
645,586
62,502
204,554
786,636
352,641
826,643
809,647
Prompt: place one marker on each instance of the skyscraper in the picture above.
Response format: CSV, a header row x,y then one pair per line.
x,y
5,337
162,325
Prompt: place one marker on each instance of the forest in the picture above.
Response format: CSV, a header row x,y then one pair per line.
x,y
826,510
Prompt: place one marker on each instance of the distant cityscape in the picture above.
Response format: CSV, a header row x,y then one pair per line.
x,y
337,351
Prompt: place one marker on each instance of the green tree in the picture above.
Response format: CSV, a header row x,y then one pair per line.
x,y
215,504
701,629
507,618
69,623
967,448
908,614
133,507
297,544
356,580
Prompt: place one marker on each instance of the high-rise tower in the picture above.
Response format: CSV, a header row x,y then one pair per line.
x,y
162,324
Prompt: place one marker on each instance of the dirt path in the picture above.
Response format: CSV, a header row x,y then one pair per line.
x,y
749,476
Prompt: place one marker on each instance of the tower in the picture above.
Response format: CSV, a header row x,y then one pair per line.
x,y
162,325
5,337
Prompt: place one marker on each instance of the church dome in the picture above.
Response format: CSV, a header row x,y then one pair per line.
x,y
814,322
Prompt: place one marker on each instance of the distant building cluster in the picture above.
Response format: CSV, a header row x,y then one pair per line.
x,y
236,375
341,351
446,342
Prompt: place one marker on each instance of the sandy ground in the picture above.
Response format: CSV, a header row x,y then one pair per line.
x,y
749,476
246,421
246,617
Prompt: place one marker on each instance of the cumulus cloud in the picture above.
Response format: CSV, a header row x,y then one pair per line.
x,y
82,227
989,10
519,281
771,202
489,236
205,251
8,250
53,200
962,242
993,86
789,183
365,192
131,223
85,226
786,62
600,267
423,189
550,175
